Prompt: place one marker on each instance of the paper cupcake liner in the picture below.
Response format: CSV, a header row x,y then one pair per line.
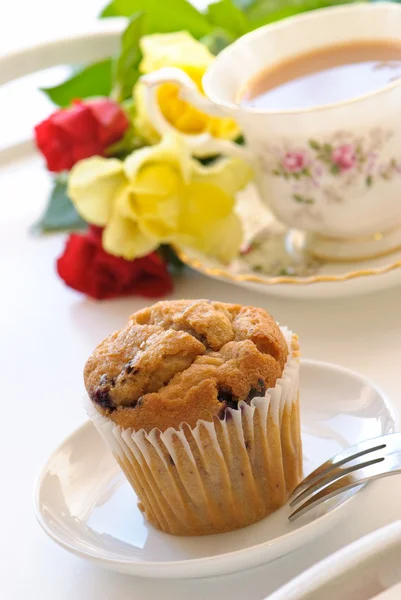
x,y
219,475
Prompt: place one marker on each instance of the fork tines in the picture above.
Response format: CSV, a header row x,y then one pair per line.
x,y
355,466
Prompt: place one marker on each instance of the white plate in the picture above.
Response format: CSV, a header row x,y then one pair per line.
x,y
85,504
368,569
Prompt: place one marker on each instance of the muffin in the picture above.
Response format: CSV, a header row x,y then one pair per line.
x,y
198,401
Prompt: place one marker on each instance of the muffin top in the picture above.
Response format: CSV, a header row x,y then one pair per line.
x,y
184,360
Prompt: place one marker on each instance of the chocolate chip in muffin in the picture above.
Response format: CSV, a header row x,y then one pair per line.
x,y
182,361
227,397
102,397
130,367
258,391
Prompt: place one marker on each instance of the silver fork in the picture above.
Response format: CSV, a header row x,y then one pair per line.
x,y
369,460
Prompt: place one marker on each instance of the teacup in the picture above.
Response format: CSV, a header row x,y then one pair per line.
x,y
350,211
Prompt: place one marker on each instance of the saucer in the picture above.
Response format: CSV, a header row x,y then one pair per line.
x,y
84,503
273,261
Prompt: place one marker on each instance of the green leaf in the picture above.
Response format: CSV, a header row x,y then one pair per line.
x,y
216,41
243,4
261,12
314,145
60,213
208,160
226,15
127,66
94,80
163,16
369,180
335,169
109,11
129,142
169,256
302,200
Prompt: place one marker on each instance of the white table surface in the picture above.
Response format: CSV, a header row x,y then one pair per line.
x,y
47,332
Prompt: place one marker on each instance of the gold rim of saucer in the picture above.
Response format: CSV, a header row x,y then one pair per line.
x,y
281,279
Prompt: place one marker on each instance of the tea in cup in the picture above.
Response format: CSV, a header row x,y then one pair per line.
x,y
318,98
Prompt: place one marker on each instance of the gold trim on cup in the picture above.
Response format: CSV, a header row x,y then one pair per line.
x,y
373,238
337,259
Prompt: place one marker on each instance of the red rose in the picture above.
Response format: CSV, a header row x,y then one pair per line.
x,y
81,131
87,268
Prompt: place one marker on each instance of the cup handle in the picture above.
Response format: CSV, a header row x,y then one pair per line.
x,y
203,144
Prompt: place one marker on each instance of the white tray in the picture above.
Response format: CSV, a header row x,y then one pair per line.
x,y
368,569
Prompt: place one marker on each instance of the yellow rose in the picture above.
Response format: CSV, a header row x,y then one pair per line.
x,y
183,51
160,194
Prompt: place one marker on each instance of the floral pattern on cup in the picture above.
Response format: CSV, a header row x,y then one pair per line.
x,y
295,162
331,166
344,157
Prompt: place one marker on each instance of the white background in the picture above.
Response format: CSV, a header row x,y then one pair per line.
x,y
48,331
27,22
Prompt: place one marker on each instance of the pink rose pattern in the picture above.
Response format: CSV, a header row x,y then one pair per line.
x,y
294,162
352,160
344,157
